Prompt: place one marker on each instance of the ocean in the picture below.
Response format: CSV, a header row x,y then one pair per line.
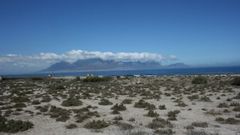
x,y
158,72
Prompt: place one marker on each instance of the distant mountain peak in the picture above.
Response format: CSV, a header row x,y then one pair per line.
x,y
178,65
100,64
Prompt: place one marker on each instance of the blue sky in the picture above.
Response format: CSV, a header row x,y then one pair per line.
x,y
197,32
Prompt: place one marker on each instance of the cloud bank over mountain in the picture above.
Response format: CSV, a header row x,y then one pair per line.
x,y
15,63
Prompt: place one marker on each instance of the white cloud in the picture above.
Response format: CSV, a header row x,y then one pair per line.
x,y
43,60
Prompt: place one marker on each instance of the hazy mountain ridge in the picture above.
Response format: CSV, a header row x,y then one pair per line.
x,y
100,64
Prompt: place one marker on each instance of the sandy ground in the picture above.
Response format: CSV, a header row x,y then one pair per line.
x,y
195,111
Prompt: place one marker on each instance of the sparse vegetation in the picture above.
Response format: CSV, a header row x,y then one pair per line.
x,y
105,102
71,126
151,113
200,124
159,123
199,80
99,124
14,126
151,103
172,115
96,79
59,113
120,107
236,81
71,102
127,101
162,107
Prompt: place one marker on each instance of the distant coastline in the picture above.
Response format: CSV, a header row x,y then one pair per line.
x,y
157,72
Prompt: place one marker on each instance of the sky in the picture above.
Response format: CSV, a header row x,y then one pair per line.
x,y
36,33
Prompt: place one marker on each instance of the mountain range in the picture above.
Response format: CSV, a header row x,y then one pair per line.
x,y
100,64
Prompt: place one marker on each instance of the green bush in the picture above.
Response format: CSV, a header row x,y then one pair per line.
x,y
220,119
71,126
236,81
36,102
164,132
120,107
20,99
223,105
71,102
200,124
173,114
199,80
96,79
105,102
127,101
125,126
159,123
99,124
42,108
205,99
193,97
236,109
19,105
46,98
151,113
84,113
238,96
143,104
14,126
162,107
117,118
59,113
232,121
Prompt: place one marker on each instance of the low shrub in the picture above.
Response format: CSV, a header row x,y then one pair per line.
x,y
162,107
223,105
72,102
127,101
71,126
236,81
151,113
205,99
19,105
200,124
14,126
238,96
59,113
231,121
202,132
117,118
125,126
105,102
237,115
115,112
199,80
193,97
96,79
172,115
20,99
143,104
99,124
36,102
46,98
120,107
42,108
236,109
164,132
159,123
220,119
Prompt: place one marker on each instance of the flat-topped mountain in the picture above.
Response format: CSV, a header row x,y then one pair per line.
x,y
100,64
